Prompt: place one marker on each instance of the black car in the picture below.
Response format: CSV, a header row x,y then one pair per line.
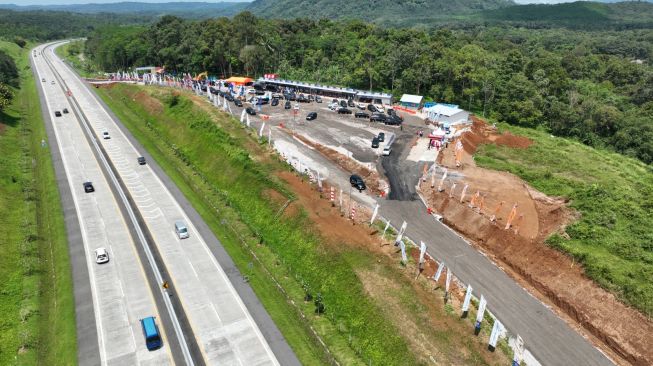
x,y
65,110
351,103
238,103
292,97
344,110
378,117
361,115
88,187
381,136
375,142
250,111
357,182
393,120
343,103
318,99
302,99
141,160
229,97
372,108
287,105
57,114
311,116
391,112
274,102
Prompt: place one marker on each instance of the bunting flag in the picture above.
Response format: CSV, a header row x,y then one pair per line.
x,y
401,232
404,259
447,283
468,299
438,273
444,176
376,211
387,225
270,142
462,195
248,122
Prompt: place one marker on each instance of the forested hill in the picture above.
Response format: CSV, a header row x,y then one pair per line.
x,y
579,15
391,12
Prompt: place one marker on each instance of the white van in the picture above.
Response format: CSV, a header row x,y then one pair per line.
x,y
181,230
387,150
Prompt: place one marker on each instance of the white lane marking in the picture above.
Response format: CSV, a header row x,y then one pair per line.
x,y
194,272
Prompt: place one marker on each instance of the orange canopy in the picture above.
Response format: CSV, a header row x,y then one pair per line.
x,y
240,80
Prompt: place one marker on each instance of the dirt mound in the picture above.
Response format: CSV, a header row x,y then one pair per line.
x,y
622,332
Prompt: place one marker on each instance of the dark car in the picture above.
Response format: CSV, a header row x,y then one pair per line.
x,y
393,120
141,160
250,111
287,105
203,88
343,103
351,103
229,97
372,108
311,116
318,99
65,110
274,102
357,182
344,110
88,187
361,115
238,103
302,99
375,142
57,114
381,136
392,112
292,97
378,117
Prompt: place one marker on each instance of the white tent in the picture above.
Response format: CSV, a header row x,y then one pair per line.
x,y
446,113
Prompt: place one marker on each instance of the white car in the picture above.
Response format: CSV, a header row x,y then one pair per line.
x,y
379,107
387,150
52,82
105,135
361,105
101,256
334,106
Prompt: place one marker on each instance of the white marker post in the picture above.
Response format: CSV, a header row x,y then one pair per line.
x,y
422,252
438,273
242,116
404,259
447,283
260,132
494,336
479,315
468,299
401,233
376,211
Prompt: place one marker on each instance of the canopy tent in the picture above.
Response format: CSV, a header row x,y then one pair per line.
x,y
238,80
446,113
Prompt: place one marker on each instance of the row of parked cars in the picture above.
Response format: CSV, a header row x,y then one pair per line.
x,y
377,112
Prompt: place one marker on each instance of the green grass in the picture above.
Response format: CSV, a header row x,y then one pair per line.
x,y
37,320
614,195
73,53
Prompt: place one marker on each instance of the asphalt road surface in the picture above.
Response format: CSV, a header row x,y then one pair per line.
x,y
223,317
111,297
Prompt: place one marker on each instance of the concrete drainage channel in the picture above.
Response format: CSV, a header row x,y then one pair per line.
x,y
174,314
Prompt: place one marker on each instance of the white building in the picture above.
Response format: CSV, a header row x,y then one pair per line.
x,y
446,114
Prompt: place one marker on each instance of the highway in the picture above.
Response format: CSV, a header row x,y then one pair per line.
x,y
118,290
217,322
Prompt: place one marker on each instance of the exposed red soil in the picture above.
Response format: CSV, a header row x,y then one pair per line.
x,y
622,332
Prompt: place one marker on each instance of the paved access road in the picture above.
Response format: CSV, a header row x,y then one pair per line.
x,y
220,320
545,335
118,290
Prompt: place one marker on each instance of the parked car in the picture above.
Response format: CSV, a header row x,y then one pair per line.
x,y
375,142
393,120
311,116
105,135
378,117
274,102
357,182
287,105
360,106
351,103
57,114
387,150
88,187
334,101
361,115
141,160
318,99
238,103
343,110
229,97
334,106
302,99
101,255
372,108
343,103
381,136
52,82
292,97
379,108
65,110
250,111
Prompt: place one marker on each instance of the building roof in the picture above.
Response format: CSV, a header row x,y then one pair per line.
x,y
324,87
409,98
444,110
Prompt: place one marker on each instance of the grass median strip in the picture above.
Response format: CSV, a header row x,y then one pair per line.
x,y
37,316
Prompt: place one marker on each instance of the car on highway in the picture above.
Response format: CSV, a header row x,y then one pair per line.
x,y
387,150
88,187
357,182
378,117
151,333
375,142
52,82
318,99
43,80
250,111
381,136
57,113
361,115
101,255
181,230
311,116
275,102
343,110
287,105
141,160
65,110
238,103
105,135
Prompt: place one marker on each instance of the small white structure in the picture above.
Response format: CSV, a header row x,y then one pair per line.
x,y
446,114
411,101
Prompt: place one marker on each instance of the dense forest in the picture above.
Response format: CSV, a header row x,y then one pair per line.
x,y
8,77
594,86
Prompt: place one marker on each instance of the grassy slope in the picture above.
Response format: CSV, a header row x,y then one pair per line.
x,y
230,193
73,53
614,194
37,322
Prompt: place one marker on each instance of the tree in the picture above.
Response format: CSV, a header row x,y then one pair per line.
x,y
6,96
20,41
8,70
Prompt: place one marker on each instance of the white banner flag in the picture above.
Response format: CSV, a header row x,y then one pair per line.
x,y
448,282
497,329
519,352
376,211
468,298
422,251
401,232
481,310
340,199
387,225
248,122
269,136
438,273
242,116
224,104
319,181
260,132
404,259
